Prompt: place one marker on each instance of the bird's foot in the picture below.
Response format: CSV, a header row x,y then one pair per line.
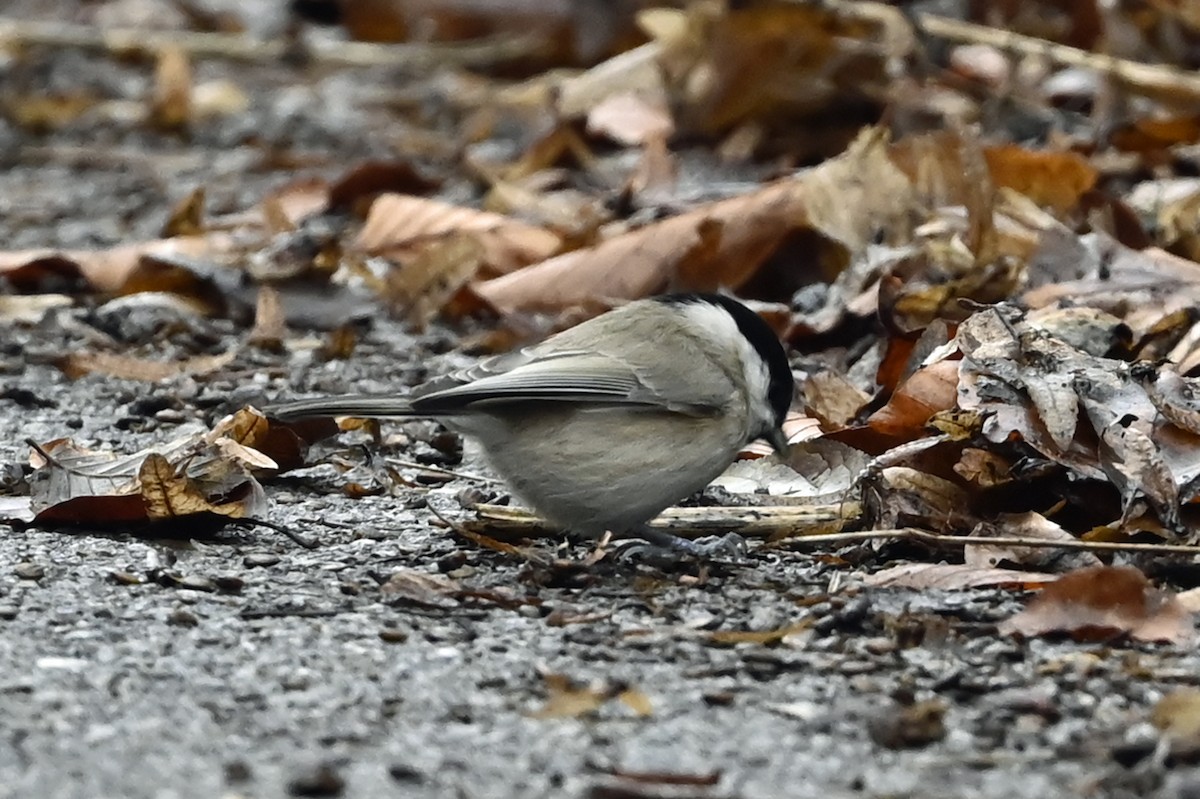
x,y
656,546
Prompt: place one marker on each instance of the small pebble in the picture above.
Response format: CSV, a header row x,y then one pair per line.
x,y
197,583
126,578
320,781
28,570
229,583
8,612
182,618
260,559
402,773
392,635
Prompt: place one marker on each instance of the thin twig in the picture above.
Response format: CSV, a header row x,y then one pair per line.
x,y
487,542
771,521
237,47
1159,78
475,478
925,536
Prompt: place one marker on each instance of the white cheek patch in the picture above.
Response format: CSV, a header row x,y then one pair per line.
x,y
722,328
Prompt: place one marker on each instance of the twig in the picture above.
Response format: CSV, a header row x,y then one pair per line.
x,y
488,542
475,478
925,536
236,47
1159,78
772,521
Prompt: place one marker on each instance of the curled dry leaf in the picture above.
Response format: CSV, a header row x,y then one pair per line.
x,y
722,244
1102,602
901,496
193,476
398,226
106,270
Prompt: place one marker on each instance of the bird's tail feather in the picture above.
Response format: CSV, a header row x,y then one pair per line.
x,y
366,406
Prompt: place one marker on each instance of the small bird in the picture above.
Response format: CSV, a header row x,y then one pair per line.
x,y
604,425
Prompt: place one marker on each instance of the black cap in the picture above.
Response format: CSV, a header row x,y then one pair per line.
x,y
781,385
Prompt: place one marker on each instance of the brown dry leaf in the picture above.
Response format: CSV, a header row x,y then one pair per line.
x,y
270,325
635,71
900,496
954,576
760,637
721,244
765,63
833,399
423,285
1139,287
187,217
931,389
567,699
171,103
412,587
193,476
358,188
1103,602
106,270
41,112
398,226
983,467
1056,180
1177,715
1033,527
168,494
127,367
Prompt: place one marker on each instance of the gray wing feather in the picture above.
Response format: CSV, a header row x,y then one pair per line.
x,y
564,376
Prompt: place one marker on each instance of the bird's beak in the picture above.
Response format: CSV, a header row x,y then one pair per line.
x,y
777,440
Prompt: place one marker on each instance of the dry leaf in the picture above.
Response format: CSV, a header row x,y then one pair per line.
x,y
270,325
720,245
954,576
1033,527
171,104
126,367
569,699
1057,180
1103,602
398,226
412,587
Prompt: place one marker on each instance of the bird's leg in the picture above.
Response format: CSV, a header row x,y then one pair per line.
x,y
730,546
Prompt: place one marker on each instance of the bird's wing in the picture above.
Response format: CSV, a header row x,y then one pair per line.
x,y
581,376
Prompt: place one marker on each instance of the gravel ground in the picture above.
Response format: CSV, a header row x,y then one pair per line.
x,y
247,665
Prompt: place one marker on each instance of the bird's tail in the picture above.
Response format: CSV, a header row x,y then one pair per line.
x,y
361,405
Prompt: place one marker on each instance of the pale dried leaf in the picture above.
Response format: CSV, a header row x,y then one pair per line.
x,y
953,576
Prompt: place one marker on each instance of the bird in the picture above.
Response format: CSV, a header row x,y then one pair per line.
x,y
604,425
